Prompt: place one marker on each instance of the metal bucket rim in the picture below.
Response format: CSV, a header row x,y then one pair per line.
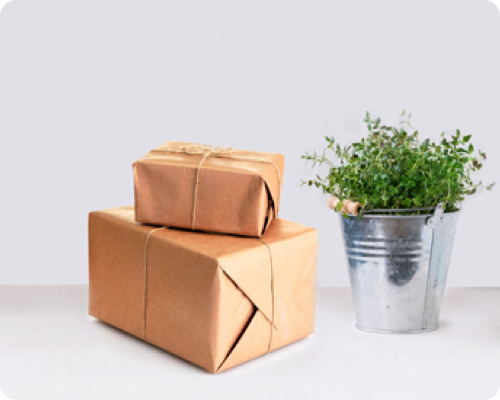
x,y
383,216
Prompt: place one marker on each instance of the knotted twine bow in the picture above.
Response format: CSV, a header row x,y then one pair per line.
x,y
217,151
201,149
145,291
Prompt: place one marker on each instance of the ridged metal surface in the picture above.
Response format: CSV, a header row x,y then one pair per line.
x,y
398,268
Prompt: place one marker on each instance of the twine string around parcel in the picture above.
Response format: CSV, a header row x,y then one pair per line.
x,y
145,291
217,151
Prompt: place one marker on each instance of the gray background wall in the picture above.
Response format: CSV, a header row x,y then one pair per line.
x,y
87,87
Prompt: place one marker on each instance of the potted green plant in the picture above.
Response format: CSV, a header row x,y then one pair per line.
x,y
398,199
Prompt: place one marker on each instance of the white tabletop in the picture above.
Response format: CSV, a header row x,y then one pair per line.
x,y
50,349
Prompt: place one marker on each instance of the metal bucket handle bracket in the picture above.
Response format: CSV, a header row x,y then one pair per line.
x,y
433,222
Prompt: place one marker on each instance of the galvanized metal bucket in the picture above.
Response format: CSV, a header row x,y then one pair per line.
x,y
398,267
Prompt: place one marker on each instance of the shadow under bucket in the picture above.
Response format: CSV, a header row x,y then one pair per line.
x,y
398,267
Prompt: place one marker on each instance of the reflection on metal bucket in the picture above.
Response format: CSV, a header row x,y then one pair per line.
x,y
398,267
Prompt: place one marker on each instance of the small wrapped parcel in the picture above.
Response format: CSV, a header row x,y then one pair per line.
x,y
208,189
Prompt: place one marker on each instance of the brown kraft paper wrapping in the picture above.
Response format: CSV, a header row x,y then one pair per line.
x,y
235,193
210,299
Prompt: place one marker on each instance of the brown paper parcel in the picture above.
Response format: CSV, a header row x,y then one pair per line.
x,y
235,192
210,299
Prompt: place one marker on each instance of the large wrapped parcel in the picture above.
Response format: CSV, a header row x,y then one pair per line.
x,y
208,189
214,300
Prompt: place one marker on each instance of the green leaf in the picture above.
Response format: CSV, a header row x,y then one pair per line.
x,y
467,138
471,148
